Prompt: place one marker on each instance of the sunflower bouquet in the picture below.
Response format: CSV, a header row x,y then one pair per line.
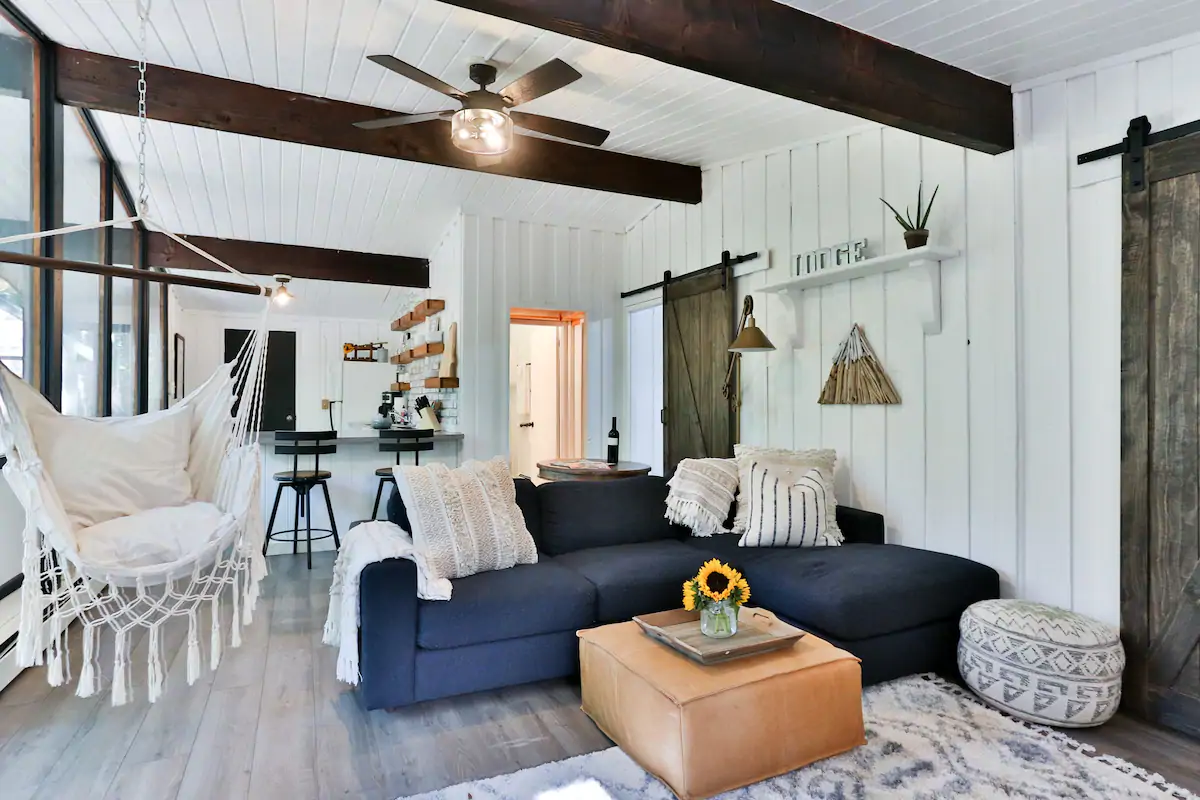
x,y
717,591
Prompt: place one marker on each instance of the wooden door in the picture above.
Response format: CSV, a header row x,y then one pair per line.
x,y
1160,435
698,327
279,378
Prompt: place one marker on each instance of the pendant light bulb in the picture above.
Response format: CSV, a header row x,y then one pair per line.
x,y
281,296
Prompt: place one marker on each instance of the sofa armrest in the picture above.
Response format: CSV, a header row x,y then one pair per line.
x,y
387,633
861,527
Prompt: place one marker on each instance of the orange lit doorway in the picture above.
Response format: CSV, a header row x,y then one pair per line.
x,y
546,387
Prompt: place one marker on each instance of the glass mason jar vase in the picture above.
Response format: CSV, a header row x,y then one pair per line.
x,y
719,620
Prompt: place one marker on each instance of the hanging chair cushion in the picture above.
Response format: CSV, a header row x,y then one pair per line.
x,y
110,468
152,538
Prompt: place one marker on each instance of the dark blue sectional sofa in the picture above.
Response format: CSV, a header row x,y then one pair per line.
x,y
606,554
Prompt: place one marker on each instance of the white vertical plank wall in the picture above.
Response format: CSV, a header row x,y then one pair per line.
x,y
514,264
1069,219
942,465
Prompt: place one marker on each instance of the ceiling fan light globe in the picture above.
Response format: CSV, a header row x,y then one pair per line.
x,y
482,131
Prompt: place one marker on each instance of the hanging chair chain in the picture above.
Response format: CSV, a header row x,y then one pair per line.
x,y
143,198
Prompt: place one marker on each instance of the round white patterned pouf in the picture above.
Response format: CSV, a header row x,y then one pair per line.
x,y
1041,663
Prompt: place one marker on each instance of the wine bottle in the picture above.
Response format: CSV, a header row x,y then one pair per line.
x,y
614,441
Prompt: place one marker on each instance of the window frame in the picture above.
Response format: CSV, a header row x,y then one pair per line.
x,y
46,286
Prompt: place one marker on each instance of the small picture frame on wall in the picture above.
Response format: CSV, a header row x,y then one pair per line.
x,y
177,385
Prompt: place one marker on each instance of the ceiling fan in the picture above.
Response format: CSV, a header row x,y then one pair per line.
x,y
486,122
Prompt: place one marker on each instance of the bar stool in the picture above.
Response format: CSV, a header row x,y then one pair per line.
x,y
302,482
400,440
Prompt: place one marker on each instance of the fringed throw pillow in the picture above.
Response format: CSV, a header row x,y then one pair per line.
x,y
465,520
702,492
787,507
824,460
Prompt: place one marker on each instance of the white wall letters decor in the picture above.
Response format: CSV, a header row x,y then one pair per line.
x,y
839,255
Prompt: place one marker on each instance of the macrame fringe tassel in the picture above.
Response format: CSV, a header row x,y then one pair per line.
x,y
31,635
55,669
249,595
155,676
193,645
120,686
215,644
88,682
235,634
690,514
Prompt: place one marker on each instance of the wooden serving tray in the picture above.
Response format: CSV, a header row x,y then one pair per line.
x,y
759,631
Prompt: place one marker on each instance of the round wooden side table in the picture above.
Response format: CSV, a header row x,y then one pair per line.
x,y
589,469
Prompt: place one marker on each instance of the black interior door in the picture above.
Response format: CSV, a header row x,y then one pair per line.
x,y
279,383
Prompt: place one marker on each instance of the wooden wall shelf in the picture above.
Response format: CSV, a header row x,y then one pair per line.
x,y
427,308
441,383
403,358
429,349
401,387
424,310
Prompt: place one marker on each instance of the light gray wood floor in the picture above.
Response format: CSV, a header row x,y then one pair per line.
x,y
274,722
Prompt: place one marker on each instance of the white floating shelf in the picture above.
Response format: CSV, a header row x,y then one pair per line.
x,y
929,258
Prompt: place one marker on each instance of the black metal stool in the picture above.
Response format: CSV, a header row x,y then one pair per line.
x,y
302,482
400,440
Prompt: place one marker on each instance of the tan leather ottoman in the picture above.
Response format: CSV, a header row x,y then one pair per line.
x,y
704,730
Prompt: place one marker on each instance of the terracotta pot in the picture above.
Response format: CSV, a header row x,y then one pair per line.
x,y
917,238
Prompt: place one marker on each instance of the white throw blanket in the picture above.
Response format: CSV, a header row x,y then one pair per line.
x,y
702,491
362,545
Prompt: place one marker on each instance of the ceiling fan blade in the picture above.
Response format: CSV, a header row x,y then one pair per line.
x,y
559,128
402,119
414,74
549,77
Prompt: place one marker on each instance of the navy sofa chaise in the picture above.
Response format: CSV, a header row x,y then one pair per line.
x,y
606,554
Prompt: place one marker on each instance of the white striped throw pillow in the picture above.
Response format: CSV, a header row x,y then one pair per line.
x,y
788,507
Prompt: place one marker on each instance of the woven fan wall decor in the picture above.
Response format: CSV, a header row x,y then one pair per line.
x,y
857,378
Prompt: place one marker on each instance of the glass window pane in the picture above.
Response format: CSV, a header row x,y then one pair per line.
x,y
16,194
124,350
81,292
155,378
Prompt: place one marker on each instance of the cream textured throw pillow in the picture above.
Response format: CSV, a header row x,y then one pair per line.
x,y
702,491
824,460
788,507
108,468
465,520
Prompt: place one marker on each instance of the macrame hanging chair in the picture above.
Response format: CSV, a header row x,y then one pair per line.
x,y
213,548
64,580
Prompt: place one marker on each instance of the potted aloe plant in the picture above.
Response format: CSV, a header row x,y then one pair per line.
x,y
916,234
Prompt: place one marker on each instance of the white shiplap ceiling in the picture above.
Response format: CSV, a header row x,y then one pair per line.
x,y
1014,40
220,184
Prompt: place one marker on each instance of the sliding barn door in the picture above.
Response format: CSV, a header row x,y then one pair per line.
x,y
1160,436
698,328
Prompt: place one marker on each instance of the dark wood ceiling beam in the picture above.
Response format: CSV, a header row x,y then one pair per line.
x,y
779,49
266,258
106,83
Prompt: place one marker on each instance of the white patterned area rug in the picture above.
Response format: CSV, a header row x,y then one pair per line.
x,y
926,739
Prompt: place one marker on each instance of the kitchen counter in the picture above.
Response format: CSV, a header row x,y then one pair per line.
x,y
368,436
354,481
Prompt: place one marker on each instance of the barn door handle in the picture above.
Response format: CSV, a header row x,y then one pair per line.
x,y
525,425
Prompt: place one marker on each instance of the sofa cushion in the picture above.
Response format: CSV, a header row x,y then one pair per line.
x,y
577,515
725,547
635,579
526,600
527,501
861,590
